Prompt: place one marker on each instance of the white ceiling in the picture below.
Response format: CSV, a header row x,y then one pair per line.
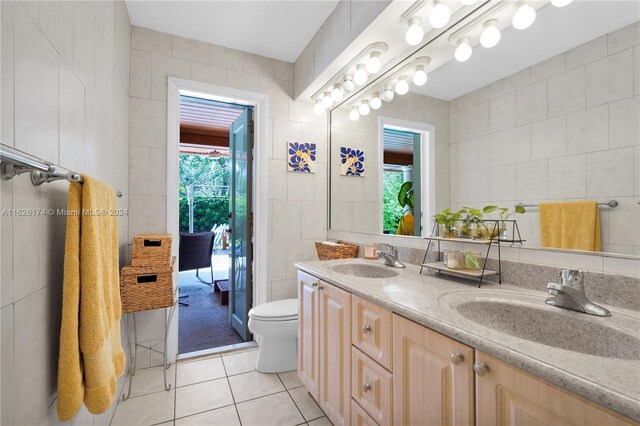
x,y
277,29
554,31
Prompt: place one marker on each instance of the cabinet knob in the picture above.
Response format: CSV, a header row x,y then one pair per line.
x,y
366,387
317,285
456,358
366,329
481,368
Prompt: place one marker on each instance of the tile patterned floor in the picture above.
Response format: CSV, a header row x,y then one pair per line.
x,y
221,390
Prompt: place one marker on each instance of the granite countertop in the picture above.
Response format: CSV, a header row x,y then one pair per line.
x,y
436,302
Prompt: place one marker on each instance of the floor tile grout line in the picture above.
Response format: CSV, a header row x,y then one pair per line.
x,y
202,412
233,398
292,399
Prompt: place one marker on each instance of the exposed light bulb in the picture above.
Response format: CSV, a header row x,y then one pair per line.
x,y
364,109
490,35
463,51
402,86
415,33
374,64
337,93
318,108
354,114
327,102
375,102
360,76
387,94
440,15
524,16
468,2
347,84
420,76
560,3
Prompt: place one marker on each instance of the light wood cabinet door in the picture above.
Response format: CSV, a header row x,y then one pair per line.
x,y
430,386
359,417
372,387
371,330
308,332
508,396
335,353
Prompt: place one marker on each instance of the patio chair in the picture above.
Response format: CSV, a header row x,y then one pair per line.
x,y
195,253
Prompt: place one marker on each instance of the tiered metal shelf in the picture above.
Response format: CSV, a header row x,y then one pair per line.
x,y
476,274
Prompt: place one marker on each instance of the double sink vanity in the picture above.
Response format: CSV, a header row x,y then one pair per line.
x,y
379,345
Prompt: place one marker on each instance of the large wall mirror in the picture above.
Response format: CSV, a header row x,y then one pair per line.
x,y
550,114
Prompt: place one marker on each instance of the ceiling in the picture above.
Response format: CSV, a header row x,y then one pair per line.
x,y
277,29
554,31
205,114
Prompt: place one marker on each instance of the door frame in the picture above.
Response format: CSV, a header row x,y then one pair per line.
x,y
260,102
427,132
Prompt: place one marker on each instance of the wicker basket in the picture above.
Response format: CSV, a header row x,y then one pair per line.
x,y
344,250
151,250
146,287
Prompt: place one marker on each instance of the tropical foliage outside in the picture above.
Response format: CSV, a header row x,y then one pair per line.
x,y
209,179
392,211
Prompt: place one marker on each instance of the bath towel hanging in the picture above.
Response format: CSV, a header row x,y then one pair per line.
x,y
570,225
91,355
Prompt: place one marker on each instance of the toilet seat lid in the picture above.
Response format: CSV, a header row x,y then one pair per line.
x,y
280,310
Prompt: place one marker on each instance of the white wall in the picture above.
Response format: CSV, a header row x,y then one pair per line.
x,y
65,81
564,129
296,202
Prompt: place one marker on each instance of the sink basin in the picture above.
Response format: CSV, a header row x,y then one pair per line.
x,y
364,271
588,335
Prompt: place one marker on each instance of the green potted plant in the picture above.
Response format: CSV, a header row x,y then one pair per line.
x,y
447,221
406,200
477,229
504,215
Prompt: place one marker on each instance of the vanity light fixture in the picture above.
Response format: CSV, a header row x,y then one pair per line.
x,y
375,102
387,94
364,109
374,64
440,15
415,33
360,77
420,76
524,16
337,94
402,86
327,102
347,84
560,3
491,34
463,51
318,108
354,115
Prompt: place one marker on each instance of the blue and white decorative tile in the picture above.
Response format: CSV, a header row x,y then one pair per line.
x,y
351,161
301,157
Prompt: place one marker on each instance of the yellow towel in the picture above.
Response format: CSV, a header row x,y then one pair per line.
x,y
405,227
91,355
570,225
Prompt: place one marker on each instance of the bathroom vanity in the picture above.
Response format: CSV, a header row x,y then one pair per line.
x,y
381,346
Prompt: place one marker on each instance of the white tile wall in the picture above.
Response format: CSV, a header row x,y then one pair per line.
x,y
67,92
567,128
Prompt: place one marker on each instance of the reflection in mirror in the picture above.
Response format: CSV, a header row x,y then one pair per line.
x,y
549,114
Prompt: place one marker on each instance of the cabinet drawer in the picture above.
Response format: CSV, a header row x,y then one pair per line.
x,y
359,417
371,330
371,387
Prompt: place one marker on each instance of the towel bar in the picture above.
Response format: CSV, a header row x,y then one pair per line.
x,y
610,203
14,162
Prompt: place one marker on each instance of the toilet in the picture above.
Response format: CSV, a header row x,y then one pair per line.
x,y
277,325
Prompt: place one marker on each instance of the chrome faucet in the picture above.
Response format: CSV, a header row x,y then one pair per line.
x,y
390,255
569,294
